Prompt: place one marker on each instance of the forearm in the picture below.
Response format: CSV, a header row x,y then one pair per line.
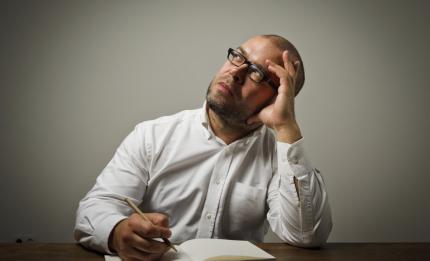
x,y
97,215
288,133
103,207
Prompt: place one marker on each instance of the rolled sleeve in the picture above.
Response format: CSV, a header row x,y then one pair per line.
x,y
300,216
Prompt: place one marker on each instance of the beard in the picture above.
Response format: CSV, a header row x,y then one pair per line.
x,y
232,113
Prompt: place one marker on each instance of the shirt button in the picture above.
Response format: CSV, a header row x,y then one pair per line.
x,y
209,216
217,182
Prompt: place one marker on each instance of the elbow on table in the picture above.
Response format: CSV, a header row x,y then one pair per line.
x,y
315,239
312,239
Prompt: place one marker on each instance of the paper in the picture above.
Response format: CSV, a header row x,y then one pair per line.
x,y
212,250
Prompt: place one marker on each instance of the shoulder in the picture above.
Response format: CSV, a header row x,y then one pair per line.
x,y
169,122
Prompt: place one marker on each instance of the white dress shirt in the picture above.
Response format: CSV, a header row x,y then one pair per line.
x,y
177,166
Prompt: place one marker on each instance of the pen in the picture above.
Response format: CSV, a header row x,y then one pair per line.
x,y
137,210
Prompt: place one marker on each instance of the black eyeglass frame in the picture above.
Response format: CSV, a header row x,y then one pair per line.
x,y
253,66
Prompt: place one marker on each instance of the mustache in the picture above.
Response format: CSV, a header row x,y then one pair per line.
x,y
230,80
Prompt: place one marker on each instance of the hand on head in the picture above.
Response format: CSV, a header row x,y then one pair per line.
x,y
281,108
279,114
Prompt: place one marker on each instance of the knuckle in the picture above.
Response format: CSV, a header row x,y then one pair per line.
x,y
165,232
151,229
127,238
164,219
133,222
147,228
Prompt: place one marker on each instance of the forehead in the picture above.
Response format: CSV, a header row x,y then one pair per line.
x,y
258,49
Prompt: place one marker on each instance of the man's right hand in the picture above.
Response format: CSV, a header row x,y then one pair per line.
x,y
132,238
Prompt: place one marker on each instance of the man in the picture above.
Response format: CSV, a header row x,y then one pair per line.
x,y
223,171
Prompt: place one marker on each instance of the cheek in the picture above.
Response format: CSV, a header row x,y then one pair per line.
x,y
257,93
257,97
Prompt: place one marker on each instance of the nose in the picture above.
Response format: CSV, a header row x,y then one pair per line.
x,y
238,73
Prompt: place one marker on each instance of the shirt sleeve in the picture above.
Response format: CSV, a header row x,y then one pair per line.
x,y
301,216
103,207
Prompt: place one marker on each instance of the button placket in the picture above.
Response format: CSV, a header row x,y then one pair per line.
x,y
214,194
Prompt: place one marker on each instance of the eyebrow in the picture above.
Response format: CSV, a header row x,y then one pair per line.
x,y
256,64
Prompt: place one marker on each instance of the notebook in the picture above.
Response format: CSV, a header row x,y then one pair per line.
x,y
208,249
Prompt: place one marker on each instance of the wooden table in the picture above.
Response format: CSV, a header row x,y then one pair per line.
x,y
332,251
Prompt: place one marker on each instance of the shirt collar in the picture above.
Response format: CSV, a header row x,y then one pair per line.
x,y
204,120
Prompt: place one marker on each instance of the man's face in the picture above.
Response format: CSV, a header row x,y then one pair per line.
x,y
232,94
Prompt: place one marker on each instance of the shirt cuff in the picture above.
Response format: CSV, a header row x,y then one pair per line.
x,y
292,159
103,230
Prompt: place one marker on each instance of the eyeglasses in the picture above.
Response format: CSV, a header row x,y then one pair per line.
x,y
254,72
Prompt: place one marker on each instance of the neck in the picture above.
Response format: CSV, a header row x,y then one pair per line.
x,y
225,130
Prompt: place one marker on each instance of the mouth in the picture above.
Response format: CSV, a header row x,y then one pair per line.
x,y
224,88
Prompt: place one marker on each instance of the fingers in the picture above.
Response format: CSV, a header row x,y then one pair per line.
x,y
291,63
281,73
148,229
297,66
158,219
287,73
276,69
290,67
258,118
235,69
152,231
243,66
147,245
133,237
254,120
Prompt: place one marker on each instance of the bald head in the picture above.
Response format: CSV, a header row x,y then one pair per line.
x,y
283,44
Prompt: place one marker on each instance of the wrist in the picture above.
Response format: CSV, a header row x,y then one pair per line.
x,y
112,237
288,133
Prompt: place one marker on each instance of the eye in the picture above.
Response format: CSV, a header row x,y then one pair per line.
x,y
255,75
236,57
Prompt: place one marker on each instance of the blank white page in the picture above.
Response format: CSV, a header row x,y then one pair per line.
x,y
202,249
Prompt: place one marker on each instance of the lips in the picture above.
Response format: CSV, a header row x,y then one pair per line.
x,y
223,87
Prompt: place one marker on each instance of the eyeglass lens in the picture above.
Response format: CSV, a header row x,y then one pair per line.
x,y
238,59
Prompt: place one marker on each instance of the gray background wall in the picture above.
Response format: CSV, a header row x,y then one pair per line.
x,y
76,76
